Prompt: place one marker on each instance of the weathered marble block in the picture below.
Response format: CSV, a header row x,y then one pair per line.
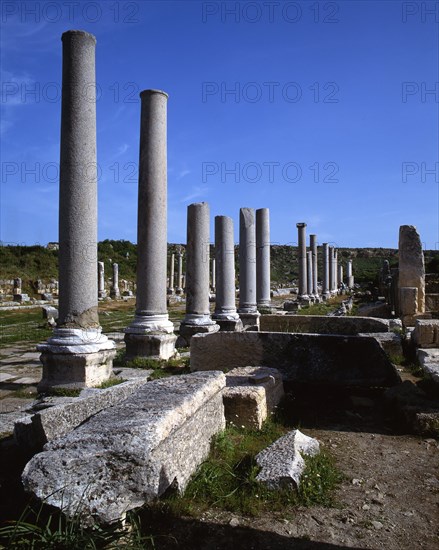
x,y
131,453
32,432
251,394
426,333
281,463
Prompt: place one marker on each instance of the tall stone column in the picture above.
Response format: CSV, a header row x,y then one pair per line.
x,y
247,310
115,292
309,273
349,276
197,318
179,289
151,332
326,269
213,275
77,355
303,286
101,281
263,297
225,298
171,275
336,281
313,246
331,270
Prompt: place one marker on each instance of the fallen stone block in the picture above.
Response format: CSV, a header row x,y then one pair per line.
x,y
32,432
251,394
301,358
282,464
322,324
429,362
389,341
426,333
131,453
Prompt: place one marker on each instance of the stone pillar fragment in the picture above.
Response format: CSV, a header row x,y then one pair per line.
x,y
247,310
151,332
77,355
326,271
115,292
101,281
225,298
411,273
263,282
313,246
303,281
197,318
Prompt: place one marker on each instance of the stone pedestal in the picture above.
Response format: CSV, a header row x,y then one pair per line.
x,y
151,332
115,292
197,318
263,279
247,310
77,355
225,314
303,286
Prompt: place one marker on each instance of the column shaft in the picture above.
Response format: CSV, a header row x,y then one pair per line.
x,y
263,257
225,304
247,261
303,291
313,246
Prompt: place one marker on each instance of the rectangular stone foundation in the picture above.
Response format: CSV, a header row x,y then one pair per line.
x,y
131,453
75,370
302,358
251,394
159,345
321,324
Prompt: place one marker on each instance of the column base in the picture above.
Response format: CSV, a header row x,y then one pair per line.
x,y
230,325
76,358
115,294
154,345
102,294
250,321
187,330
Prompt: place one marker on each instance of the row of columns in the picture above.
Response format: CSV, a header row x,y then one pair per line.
x,y
78,354
332,276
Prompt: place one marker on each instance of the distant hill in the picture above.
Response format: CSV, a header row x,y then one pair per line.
x,y
37,262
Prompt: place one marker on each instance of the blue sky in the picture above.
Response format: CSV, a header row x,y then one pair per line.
x,y
324,112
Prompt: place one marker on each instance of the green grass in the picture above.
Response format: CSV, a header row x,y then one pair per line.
x,y
227,480
160,367
115,381
63,392
23,326
43,530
